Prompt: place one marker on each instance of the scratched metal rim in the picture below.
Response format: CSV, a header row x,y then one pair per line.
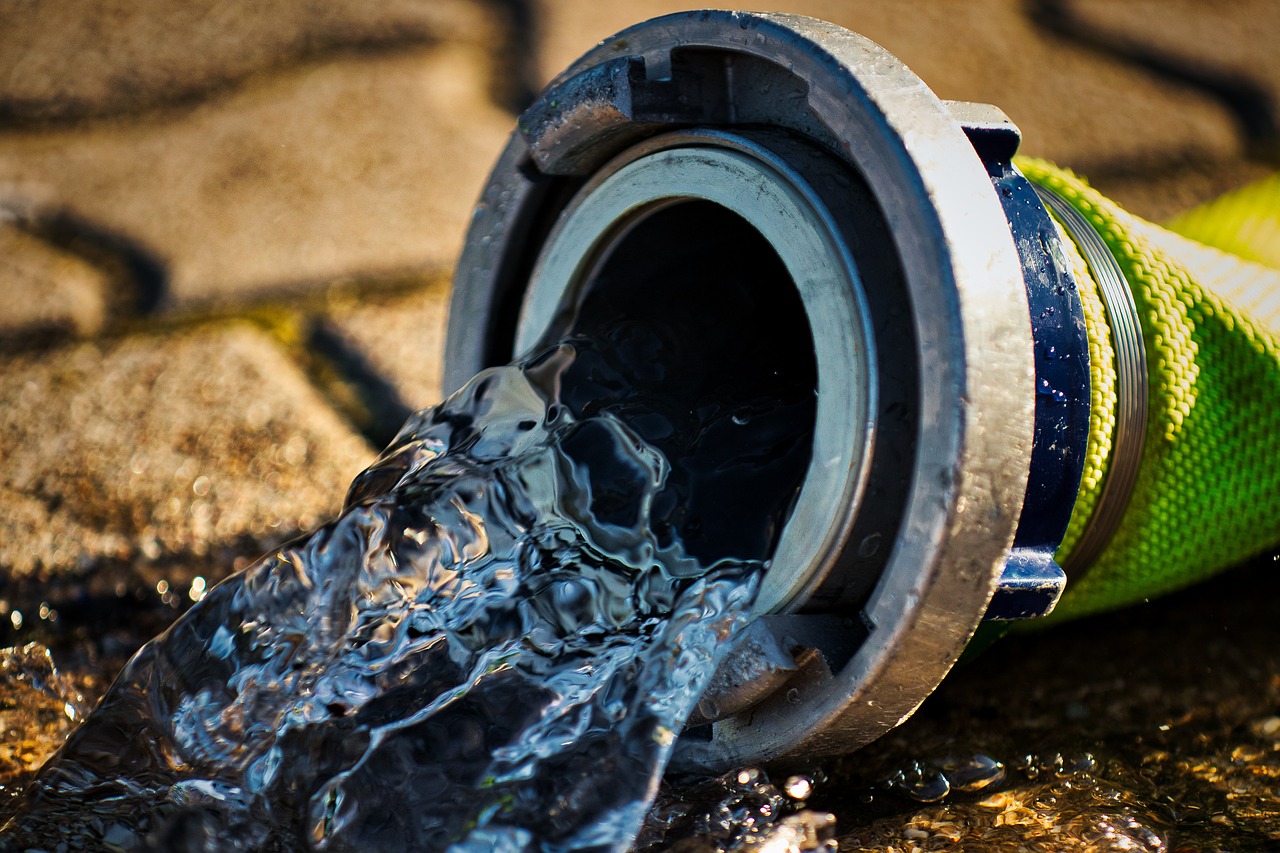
x,y
973,341
752,181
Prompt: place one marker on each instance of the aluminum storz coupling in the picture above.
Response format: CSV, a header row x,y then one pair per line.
x,y
1012,388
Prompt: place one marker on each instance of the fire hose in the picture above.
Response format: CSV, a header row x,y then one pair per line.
x,y
1028,400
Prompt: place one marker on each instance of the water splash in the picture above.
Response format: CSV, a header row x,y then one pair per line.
x,y
493,647
497,642
739,812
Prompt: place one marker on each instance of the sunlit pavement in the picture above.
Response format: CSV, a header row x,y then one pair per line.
x,y
225,240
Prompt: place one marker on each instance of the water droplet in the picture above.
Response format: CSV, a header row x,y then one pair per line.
x,y
929,789
869,546
798,787
1266,727
920,781
972,773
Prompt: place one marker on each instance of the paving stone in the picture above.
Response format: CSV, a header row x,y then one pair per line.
x,y
182,444
361,166
46,293
1163,191
1072,104
1235,37
162,449
90,57
399,338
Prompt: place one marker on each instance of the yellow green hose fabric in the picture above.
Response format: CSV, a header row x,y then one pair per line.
x,y
1208,489
1245,223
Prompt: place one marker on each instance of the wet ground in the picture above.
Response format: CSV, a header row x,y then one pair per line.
x,y
224,252
1154,728
1157,728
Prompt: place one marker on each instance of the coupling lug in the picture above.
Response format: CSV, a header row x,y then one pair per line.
x,y
577,124
1029,586
991,133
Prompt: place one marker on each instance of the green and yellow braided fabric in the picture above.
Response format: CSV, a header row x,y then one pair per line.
x,y
1245,223
1208,490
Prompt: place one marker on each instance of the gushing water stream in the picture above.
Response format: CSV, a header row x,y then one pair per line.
x,y
496,643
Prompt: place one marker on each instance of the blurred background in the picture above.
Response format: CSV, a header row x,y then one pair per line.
x,y
226,231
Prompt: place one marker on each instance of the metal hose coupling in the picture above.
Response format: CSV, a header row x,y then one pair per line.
x,y
947,301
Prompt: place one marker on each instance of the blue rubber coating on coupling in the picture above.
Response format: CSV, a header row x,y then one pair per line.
x,y
1032,581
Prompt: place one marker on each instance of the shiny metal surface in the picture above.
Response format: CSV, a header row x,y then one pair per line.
x,y
761,187
948,271
1131,384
